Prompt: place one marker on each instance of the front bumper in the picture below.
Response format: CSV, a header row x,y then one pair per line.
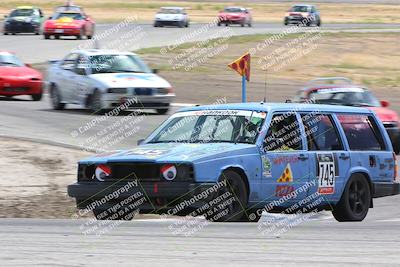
x,y
21,27
62,31
138,101
21,87
295,20
231,20
169,22
385,189
160,195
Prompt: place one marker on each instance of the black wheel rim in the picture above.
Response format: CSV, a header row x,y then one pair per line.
x,y
358,197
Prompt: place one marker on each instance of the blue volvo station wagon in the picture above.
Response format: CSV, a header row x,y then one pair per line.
x,y
231,162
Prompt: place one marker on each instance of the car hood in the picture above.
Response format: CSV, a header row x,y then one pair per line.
x,y
385,114
169,16
172,152
19,72
125,80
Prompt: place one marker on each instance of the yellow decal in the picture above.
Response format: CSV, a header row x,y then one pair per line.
x,y
286,176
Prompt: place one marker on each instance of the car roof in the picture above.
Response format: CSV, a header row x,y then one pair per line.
x,y
171,7
271,107
96,52
25,7
332,86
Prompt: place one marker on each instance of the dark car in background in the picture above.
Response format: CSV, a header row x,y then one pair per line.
x,y
23,19
342,91
306,15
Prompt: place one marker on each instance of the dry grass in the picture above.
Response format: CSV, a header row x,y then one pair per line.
x,y
107,10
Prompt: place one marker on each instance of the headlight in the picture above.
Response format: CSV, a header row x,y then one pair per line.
x,y
117,90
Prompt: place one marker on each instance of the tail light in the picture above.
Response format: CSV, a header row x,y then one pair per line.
x,y
395,166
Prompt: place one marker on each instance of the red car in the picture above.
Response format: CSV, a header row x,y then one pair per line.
x,y
235,15
69,23
16,78
329,91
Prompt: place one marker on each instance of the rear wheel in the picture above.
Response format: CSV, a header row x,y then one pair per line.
x,y
37,97
5,33
120,215
355,201
57,37
46,36
55,98
232,200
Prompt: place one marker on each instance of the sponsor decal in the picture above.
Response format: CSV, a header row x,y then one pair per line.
x,y
286,159
136,77
168,172
286,176
266,165
146,152
102,171
283,190
326,174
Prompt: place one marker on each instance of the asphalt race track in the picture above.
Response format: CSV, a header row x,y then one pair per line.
x,y
34,49
320,241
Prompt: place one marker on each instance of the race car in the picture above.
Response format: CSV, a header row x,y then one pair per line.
x,y
342,91
235,15
104,79
16,78
306,15
231,162
69,23
23,19
171,16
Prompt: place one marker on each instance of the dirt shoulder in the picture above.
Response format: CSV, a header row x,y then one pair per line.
x,y
34,179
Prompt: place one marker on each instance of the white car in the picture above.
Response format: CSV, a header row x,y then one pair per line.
x,y
103,79
171,16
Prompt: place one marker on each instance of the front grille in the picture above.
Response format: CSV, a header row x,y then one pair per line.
x,y
143,171
142,91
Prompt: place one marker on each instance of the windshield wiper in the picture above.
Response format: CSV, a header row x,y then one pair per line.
x,y
133,71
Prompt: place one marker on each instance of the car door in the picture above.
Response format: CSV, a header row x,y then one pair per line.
x,y
329,158
65,76
82,85
285,161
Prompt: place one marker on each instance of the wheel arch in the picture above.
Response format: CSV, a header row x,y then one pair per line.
x,y
242,174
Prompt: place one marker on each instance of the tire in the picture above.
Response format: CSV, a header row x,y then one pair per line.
x,y
162,111
102,215
286,22
242,24
56,99
319,23
57,37
96,105
90,37
13,33
355,201
219,24
233,211
5,33
249,25
46,36
181,24
187,24
37,97
81,34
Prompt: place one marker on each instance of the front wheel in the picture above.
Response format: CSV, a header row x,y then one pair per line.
x,y
230,201
46,36
162,111
55,97
96,102
355,201
37,97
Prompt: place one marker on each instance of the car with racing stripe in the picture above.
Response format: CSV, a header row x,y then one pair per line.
x,y
231,162
172,16
302,14
17,78
103,79
342,91
69,23
23,19
235,15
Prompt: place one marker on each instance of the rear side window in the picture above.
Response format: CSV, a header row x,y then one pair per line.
x,y
321,132
362,132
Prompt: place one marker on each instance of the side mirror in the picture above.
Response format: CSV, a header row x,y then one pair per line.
x,y
385,103
50,17
140,141
41,15
155,71
28,65
5,16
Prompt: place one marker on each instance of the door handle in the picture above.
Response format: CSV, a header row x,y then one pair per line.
x,y
344,156
302,157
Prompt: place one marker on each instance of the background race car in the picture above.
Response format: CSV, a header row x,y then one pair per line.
x,y
16,78
341,91
69,23
171,16
306,15
23,19
235,15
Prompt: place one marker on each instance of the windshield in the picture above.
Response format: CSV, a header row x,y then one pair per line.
x,y
117,63
233,10
68,8
22,13
299,9
74,16
170,11
10,60
345,96
211,126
